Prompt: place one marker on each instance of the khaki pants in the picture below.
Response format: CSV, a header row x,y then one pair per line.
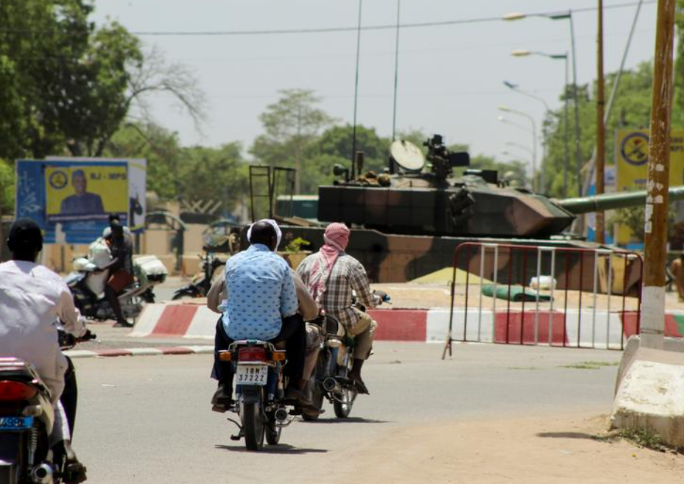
x,y
314,338
362,331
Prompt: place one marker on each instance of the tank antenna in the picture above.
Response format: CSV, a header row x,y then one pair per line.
x,y
396,73
356,89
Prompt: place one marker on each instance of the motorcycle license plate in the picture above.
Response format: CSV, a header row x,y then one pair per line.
x,y
252,374
16,423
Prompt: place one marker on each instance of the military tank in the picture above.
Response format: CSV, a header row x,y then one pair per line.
x,y
407,221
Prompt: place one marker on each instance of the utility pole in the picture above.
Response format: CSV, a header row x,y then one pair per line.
x,y
600,128
655,226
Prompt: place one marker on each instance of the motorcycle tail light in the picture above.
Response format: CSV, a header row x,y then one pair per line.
x,y
252,354
278,355
15,391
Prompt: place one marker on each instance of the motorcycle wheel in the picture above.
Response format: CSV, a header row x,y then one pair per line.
x,y
317,394
253,426
343,402
273,432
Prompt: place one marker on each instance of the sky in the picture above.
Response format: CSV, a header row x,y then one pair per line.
x,y
450,77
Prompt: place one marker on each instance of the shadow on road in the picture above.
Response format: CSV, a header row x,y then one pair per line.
x,y
566,435
348,420
274,449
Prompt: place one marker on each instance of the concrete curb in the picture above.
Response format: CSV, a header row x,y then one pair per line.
x,y
577,328
170,350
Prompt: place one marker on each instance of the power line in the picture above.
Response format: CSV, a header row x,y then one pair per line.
x,y
230,33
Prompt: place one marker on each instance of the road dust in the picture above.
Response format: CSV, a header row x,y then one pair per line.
x,y
526,450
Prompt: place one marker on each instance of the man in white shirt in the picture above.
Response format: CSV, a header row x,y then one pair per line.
x,y
33,299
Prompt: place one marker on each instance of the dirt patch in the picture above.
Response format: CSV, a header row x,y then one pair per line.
x,y
552,450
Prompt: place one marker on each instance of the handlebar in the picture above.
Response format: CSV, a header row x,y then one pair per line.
x,y
68,341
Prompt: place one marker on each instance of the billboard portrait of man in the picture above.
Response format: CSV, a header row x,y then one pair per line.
x,y
81,202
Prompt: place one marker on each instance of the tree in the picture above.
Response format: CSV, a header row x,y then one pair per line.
x,y
178,173
66,86
291,125
631,109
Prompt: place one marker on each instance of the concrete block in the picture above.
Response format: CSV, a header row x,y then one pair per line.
x,y
651,395
633,344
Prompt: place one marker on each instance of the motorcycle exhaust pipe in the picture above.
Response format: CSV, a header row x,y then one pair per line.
x,y
42,474
281,415
330,384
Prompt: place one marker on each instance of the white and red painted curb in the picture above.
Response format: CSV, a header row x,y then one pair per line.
x,y
171,350
584,328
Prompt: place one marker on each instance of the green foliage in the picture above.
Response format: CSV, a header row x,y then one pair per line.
x,y
6,187
62,82
290,125
633,219
632,109
590,365
295,245
644,438
177,173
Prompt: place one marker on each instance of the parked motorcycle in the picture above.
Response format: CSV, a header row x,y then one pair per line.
x,y
330,379
201,283
26,421
259,392
87,284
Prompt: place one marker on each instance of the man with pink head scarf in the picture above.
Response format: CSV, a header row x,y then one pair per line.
x,y
331,275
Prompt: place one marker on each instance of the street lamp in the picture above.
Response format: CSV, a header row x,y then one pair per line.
x,y
506,109
564,16
566,161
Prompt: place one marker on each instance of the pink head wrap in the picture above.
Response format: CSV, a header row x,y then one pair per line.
x,y
337,235
336,238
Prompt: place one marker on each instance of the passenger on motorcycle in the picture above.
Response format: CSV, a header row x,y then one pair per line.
x,y
260,302
32,301
120,269
331,275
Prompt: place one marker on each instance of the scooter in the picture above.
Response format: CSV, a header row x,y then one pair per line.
x,y
26,420
201,283
86,284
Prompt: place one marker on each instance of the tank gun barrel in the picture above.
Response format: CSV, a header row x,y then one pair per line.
x,y
613,201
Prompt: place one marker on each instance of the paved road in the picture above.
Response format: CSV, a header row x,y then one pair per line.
x,y
148,420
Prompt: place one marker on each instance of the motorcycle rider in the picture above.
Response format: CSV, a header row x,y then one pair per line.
x,y
331,275
120,269
32,300
260,302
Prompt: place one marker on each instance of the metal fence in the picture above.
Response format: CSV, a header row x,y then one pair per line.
x,y
518,294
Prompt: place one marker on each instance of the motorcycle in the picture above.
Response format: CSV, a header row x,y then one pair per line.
x,y
86,284
258,367
201,283
330,378
26,421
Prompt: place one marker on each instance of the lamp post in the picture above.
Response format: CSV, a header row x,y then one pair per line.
x,y
566,151
506,109
564,16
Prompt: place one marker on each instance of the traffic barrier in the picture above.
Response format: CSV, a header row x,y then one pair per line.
x,y
589,298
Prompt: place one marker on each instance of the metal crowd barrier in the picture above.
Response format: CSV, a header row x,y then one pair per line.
x,y
594,296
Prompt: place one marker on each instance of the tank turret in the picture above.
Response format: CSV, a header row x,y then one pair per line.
x,y
417,198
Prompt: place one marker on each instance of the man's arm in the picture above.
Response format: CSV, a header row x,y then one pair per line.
x,y
359,282
288,294
307,306
303,270
217,293
71,318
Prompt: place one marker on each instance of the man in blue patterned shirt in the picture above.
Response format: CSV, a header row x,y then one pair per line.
x,y
261,303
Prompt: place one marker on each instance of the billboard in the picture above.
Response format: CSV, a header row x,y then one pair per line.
x,y
71,198
631,159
